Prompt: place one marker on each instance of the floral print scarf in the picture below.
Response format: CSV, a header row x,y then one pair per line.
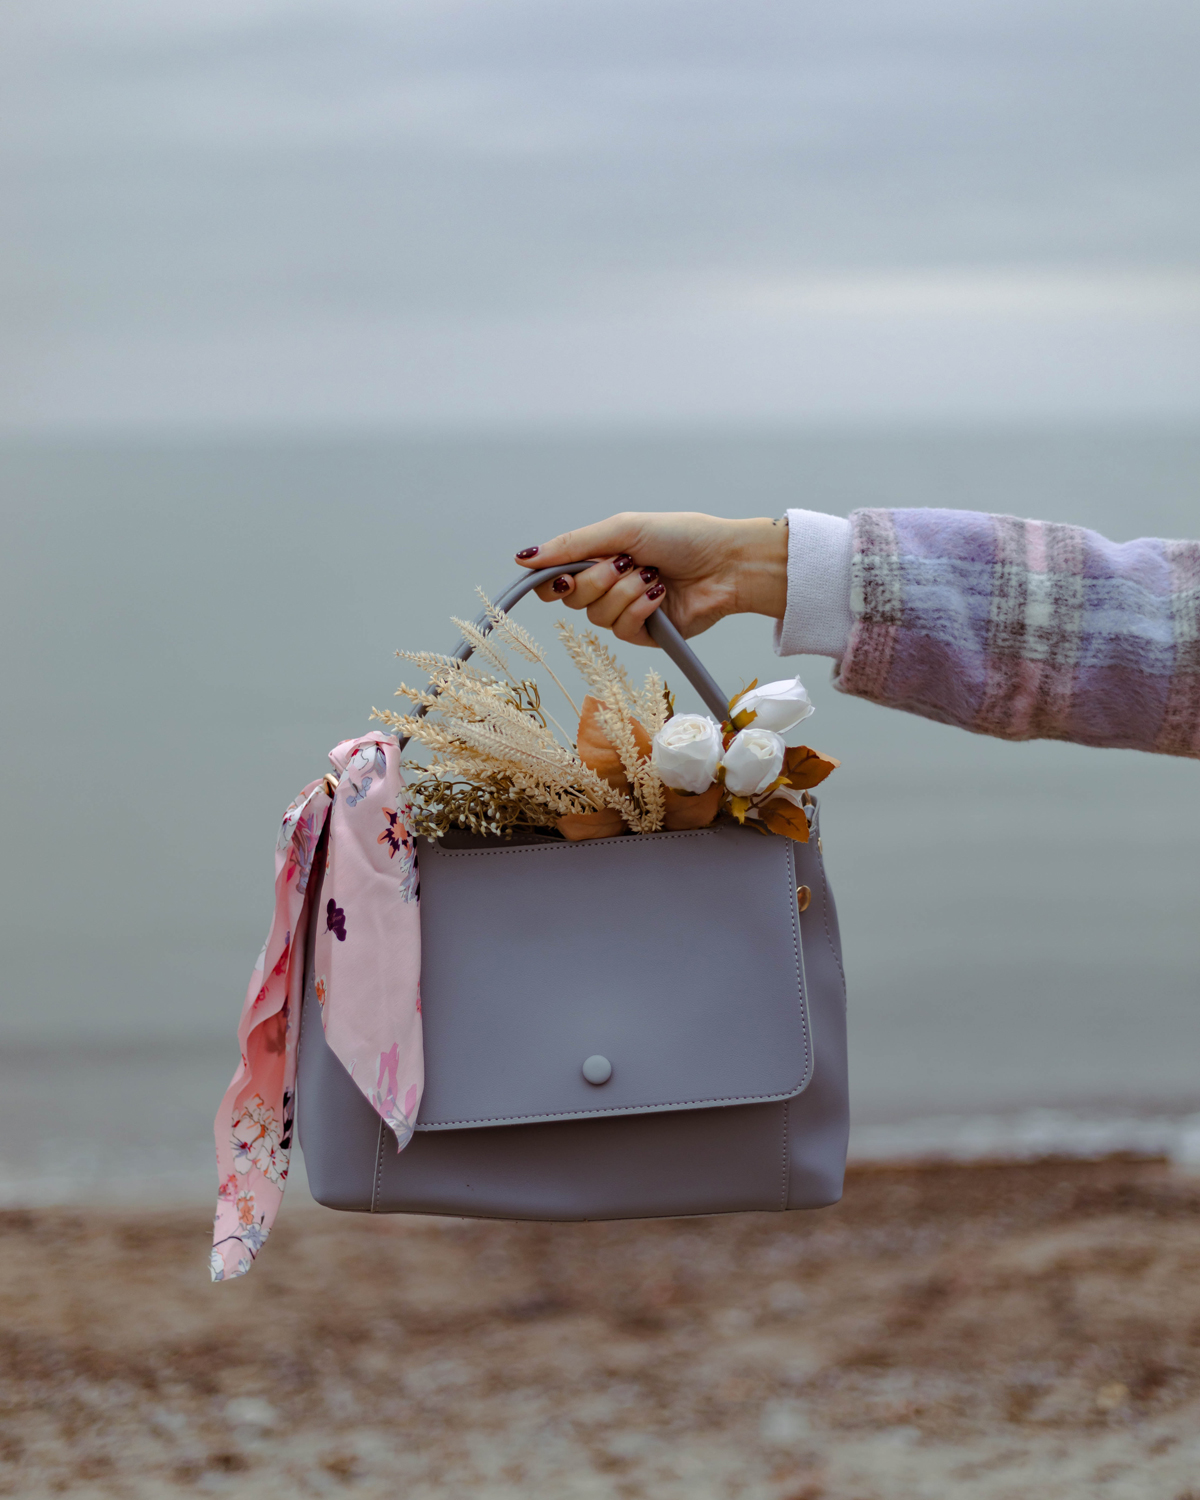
x,y
367,964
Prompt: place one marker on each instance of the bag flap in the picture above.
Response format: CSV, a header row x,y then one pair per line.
x,y
675,956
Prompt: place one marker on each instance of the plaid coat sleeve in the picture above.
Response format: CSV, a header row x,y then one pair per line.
x,y
1025,629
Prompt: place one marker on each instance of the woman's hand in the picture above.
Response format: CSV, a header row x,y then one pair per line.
x,y
699,568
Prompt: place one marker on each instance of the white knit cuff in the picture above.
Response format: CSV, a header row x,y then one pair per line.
x,y
817,620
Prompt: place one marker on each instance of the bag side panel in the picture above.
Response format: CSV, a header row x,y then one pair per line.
x,y
337,1129
819,1119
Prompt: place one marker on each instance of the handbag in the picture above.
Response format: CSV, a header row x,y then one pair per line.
x,y
633,1027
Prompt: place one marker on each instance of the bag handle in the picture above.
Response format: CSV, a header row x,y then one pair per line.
x,y
664,635
659,627
661,631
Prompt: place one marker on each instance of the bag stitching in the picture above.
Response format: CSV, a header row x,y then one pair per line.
x,y
794,904
674,1104
833,947
377,1188
801,977
557,847
624,1109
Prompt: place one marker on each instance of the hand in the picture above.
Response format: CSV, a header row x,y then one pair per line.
x,y
698,568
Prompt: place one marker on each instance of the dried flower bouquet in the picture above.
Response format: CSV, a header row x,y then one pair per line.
x,y
499,761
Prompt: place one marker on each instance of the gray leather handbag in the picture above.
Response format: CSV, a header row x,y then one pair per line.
x,y
632,1027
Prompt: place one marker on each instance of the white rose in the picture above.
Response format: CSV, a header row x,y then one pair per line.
x,y
753,761
687,752
776,705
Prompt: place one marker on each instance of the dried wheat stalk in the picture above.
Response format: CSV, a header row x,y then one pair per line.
x,y
523,643
496,762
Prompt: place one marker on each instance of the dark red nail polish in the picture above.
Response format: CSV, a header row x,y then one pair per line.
x,y
561,584
623,563
527,553
657,591
649,575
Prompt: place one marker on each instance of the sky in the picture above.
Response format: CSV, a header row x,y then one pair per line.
x,y
252,213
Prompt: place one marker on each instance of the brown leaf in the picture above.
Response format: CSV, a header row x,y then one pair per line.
x,y
805,768
784,817
597,750
684,811
605,824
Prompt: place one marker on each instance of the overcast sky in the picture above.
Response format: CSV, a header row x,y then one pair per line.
x,y
298,211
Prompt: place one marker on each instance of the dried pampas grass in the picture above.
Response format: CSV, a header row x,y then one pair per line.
x,y
500,761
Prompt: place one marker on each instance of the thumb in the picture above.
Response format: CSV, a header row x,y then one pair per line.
x,y
604,539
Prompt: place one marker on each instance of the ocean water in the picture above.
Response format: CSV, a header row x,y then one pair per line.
x,y
188,626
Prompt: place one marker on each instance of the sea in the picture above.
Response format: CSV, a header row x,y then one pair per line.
x,y
189,623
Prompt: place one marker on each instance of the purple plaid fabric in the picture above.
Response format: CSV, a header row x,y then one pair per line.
x,y
1026,629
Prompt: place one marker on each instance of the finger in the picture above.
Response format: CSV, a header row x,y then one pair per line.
x,y
558,589
593,583
604,539
630,625
614,601
609,606
588,586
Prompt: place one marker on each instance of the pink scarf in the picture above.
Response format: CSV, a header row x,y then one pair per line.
x,y
367,963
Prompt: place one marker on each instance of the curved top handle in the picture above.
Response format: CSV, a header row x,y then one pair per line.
x,y
659,627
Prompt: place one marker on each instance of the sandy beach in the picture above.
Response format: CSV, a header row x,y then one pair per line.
x,y
976,1331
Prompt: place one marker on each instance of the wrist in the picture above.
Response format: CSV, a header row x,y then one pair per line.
x,y
759,551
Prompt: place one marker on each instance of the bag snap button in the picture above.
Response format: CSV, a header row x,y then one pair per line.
x,y
597,1069
803,897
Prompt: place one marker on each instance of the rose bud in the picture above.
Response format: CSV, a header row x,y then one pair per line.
x,y
687,752
776,705
753,761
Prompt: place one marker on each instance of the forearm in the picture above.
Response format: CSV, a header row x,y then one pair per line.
x,y
1018,629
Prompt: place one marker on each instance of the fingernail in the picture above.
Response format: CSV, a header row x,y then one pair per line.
x,y
649,575
527,553
657,591
623,563
561,584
